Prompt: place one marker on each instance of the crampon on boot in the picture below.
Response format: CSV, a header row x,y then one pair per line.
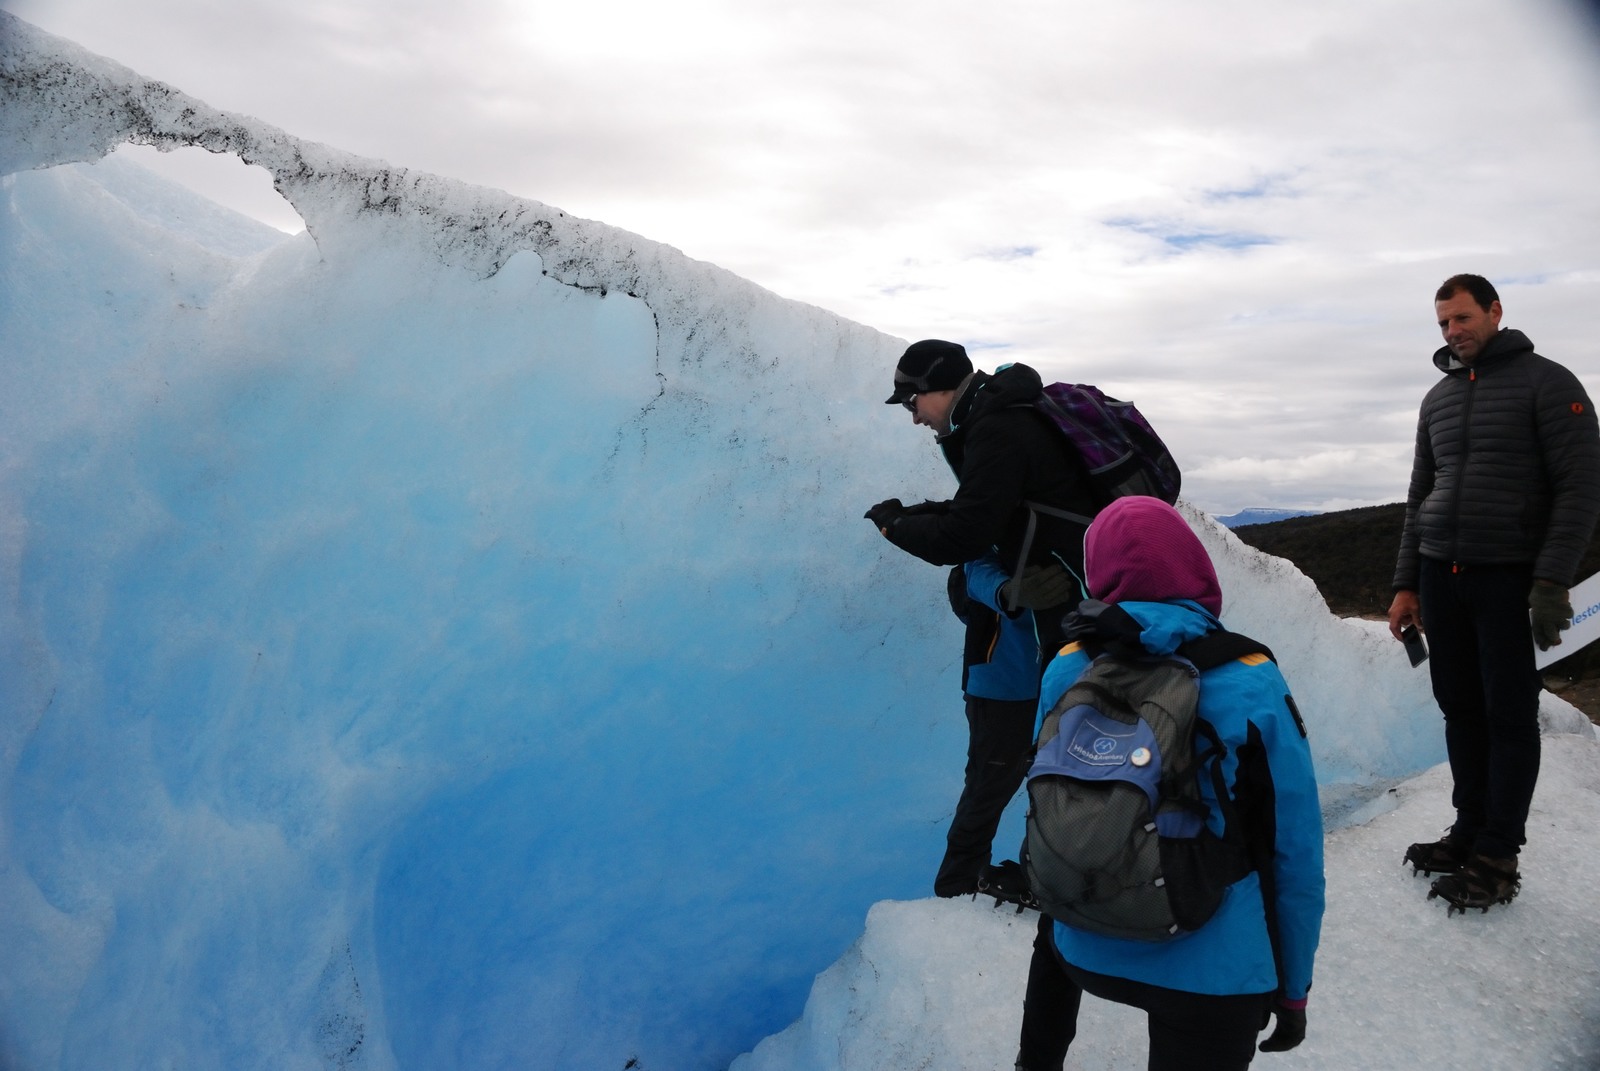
x,y
1444,856
1007,882
1482,883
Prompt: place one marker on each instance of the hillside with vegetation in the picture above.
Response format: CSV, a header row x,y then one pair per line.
x,y
1350,554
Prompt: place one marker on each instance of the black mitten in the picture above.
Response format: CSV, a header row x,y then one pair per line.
x,y
1290,1031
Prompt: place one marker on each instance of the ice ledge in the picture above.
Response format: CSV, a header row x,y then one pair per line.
x,y
60,103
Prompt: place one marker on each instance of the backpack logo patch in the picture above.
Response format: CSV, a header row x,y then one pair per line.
x,y
1101,741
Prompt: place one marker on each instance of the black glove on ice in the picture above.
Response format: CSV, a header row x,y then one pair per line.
x,y
885,513
1039,588
1291,1029
1552,612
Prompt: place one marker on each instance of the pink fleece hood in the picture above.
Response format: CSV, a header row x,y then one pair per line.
x,y
1141,550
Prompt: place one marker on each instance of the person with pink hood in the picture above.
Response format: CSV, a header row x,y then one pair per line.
x,y
1209,992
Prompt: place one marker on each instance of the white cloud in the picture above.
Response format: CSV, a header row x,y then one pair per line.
x,y
1245,201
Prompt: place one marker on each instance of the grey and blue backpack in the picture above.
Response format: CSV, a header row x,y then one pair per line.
x,y
1118,841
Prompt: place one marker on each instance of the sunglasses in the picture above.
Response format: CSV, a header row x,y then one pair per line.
x,y
910,402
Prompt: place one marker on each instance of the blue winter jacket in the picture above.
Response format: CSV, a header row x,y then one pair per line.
x,y
1269,762
1011,668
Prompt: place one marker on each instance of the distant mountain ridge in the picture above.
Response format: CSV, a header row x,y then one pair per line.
x,y
1262,515
1349,554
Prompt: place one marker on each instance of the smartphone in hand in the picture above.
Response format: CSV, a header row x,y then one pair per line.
x,y
1416,649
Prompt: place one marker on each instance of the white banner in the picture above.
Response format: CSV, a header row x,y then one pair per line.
x,y
1585,623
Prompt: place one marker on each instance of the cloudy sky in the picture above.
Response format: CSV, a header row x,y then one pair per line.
x,y
1233,212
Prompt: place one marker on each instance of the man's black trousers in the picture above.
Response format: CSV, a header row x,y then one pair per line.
x,y
1480,649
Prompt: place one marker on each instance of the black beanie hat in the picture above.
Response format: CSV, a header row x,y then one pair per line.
x,y
929,365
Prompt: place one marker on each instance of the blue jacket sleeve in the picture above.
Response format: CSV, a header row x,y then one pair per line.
x,y
985,575
1296,860
1005,663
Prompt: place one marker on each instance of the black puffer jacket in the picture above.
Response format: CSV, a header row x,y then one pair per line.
x,y
1003,452
1507,468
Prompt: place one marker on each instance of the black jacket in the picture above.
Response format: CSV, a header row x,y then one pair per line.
x,y
1507,467
1003,452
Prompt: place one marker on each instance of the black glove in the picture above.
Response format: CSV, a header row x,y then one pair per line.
x,y
885,513
1039,588
1552,612
1291,1029
1097,625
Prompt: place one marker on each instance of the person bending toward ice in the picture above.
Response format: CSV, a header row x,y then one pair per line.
x,y
1004,455
1208,992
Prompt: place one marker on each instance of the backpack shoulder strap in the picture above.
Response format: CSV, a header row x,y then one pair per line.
x,y
1034,509
1221,647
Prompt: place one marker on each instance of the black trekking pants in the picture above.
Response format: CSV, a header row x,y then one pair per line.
x,y
1188,1031
999,737
1484,679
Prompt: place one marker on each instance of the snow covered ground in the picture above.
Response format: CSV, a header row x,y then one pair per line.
x,y
937,984
448,638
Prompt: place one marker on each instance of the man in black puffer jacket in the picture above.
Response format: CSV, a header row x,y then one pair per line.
x,y
1504,495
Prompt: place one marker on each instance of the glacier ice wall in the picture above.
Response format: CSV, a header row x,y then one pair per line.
x,y
424,641
448,638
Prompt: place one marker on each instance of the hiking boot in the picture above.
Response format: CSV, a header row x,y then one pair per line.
x,y
1482,883
959,871
947,889
1008,884
1445,856
1020,1066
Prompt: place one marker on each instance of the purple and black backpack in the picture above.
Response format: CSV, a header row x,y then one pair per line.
x,y
1122,452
